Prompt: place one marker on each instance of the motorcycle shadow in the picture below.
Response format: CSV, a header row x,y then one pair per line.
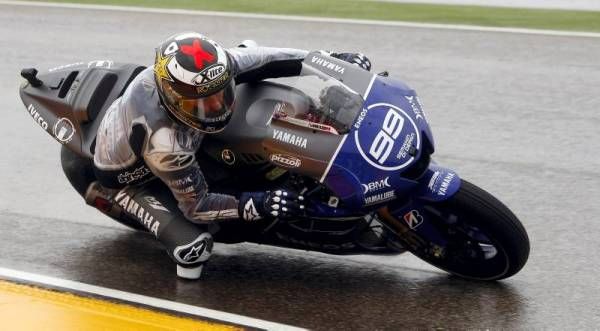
x,y
312,290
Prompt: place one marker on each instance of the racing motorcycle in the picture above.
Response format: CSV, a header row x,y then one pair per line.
x,y
356,144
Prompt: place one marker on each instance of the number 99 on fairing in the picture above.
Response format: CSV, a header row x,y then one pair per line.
x,y
384,141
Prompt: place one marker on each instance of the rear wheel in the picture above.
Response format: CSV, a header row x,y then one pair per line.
x,y
478,236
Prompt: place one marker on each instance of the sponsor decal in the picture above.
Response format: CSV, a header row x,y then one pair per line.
x,y
197,251
397,137
181,182
446,183
155,204
184,190
128,177
133,208
218,118
160,68
286,161
433,181
66,66
37,117
376,185
327,65
204,88
209,74
413,219
360,118
320,127
380,197
100,64
250,212
290,138
415,105
64,130
177,161
228,157
407,148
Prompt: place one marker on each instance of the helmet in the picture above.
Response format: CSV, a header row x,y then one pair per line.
x,y
195,81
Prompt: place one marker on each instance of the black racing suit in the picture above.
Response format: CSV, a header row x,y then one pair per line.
x,y
138,141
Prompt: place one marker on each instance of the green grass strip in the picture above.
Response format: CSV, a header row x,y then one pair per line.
x,y
388,11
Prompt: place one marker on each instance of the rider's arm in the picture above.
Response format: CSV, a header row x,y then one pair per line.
x,y
257,63
177,167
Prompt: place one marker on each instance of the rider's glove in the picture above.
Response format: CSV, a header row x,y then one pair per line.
x,y
271,204
358,59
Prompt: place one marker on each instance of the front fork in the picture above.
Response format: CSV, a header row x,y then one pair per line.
x,y
407,218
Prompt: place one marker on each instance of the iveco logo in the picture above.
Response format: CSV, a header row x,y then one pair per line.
x,y
37,117
376,185
64,130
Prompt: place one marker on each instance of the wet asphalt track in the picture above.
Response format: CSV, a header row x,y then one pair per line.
x,y
517,114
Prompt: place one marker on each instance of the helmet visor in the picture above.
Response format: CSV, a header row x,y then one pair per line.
x,y
210,113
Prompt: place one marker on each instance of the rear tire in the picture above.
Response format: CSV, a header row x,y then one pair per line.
x,y
485,240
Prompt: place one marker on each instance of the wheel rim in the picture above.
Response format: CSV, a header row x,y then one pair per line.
x,y
469,250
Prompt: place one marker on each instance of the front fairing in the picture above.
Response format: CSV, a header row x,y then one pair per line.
x,y
387,140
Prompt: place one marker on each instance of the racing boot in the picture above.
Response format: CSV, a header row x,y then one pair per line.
x,y
191,257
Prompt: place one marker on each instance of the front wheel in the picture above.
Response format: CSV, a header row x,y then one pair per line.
x,y
476,236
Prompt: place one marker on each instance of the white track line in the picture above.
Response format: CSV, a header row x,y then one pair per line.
x,y
304,19
144,300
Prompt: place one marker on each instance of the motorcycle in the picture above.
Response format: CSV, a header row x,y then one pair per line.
x,y
356,144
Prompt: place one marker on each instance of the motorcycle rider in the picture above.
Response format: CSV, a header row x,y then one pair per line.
x,y
156,127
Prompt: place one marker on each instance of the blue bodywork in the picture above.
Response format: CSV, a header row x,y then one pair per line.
x,y
387,141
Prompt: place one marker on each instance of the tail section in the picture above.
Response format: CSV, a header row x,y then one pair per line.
x,y
69,101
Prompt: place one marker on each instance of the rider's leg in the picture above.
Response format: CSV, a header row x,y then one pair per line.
x,y
78,170
150,206
155,208
80,173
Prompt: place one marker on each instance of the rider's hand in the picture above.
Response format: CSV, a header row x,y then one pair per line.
x,y
358,59
270,204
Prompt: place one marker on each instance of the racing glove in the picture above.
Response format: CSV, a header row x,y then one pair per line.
x,y
280,204
358,59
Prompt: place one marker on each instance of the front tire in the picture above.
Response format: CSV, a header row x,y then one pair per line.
x,y
482,238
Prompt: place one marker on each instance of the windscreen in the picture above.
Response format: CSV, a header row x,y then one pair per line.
x,y
318,101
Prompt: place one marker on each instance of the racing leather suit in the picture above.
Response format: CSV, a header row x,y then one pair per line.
x,y
138,141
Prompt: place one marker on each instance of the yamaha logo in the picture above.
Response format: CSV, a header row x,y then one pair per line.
x,y
228,156
327,65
